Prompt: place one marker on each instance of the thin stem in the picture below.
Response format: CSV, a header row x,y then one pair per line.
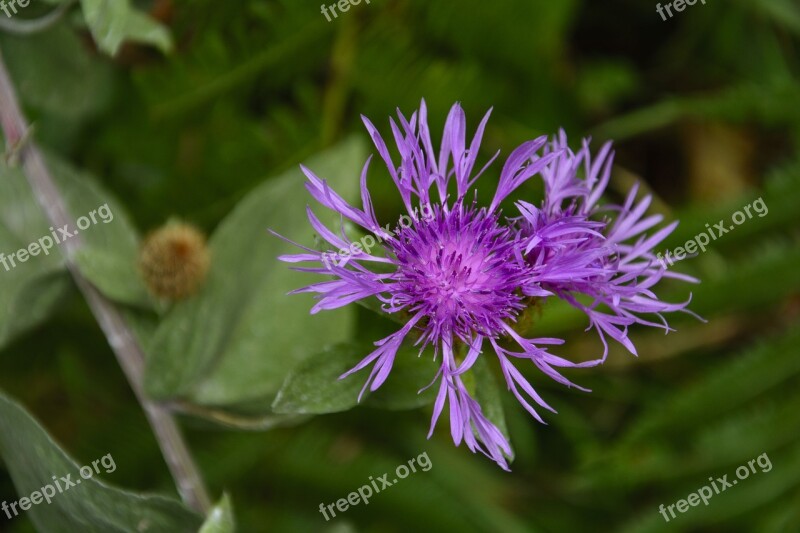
x,y
112,322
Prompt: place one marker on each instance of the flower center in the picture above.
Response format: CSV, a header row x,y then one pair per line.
x,y
458,268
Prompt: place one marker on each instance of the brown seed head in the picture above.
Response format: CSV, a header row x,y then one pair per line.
x,y
174,260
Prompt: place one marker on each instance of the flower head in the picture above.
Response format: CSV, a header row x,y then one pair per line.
x,y
457,269
460,275
598,258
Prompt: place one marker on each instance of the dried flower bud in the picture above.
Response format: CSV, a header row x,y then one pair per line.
x,y
174,260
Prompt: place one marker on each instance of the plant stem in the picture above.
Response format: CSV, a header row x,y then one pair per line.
x,y
120,336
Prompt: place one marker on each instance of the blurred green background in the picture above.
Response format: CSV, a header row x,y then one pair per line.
x,y
704,109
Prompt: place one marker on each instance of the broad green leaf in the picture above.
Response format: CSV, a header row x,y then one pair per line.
x,y
410,374
114,275
220,519
57,58
111,229
239,338
33,459
30,302
21,224
314,386
113,22
30,289
373,304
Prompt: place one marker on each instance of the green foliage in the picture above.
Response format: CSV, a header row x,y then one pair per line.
x,y
242,351
33,459
113,22
31,289
314,386
114,275
488,395
22,224
220,519
57,58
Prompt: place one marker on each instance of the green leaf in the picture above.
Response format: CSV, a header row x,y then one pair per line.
x,y
29,290
314,386
112,230
487,394
247,334
21,223
114,275
220,519
31,302
113,22
410,374
372,303
33,458
57,58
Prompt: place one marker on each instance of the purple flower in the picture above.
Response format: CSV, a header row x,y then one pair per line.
x,y
459,275
575,249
